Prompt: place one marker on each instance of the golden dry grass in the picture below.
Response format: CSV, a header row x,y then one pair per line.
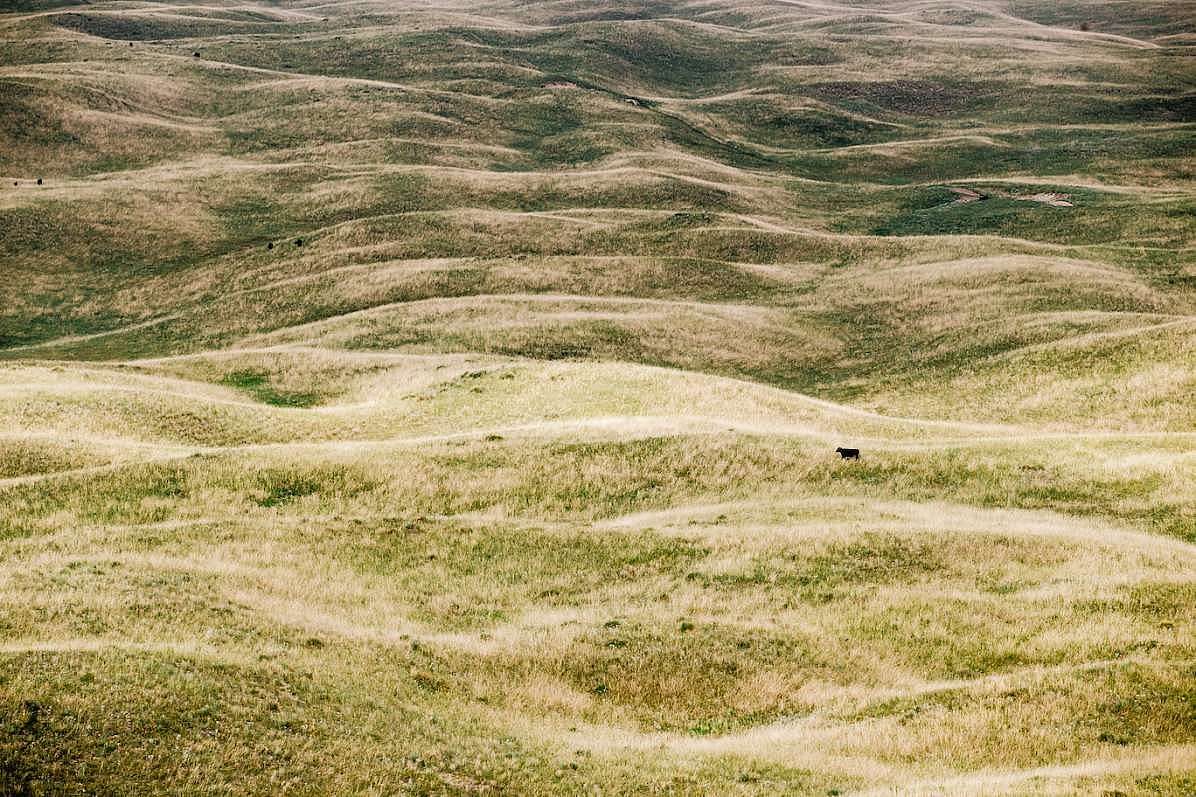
x,y
442,398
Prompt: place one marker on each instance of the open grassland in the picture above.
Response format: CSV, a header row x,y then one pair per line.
x,y
441,398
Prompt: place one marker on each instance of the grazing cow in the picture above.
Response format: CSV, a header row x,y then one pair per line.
x,y
298,242
39,181
270,245
848,453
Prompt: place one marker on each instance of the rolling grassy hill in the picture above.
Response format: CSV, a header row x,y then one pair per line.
x,y
441,398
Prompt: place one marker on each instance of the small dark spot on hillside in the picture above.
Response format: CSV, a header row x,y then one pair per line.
x,y
32,713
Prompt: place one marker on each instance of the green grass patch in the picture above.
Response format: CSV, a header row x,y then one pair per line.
x,y
256,382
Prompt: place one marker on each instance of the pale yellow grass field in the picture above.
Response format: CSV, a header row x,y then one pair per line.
x,y
442,398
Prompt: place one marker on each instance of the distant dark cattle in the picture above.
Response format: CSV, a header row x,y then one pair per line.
x,y
270,245
298,242
848,453
39,181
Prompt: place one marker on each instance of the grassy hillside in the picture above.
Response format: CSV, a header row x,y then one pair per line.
x,y
442,398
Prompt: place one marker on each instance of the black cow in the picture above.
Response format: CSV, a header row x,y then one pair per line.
x,y
848,453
